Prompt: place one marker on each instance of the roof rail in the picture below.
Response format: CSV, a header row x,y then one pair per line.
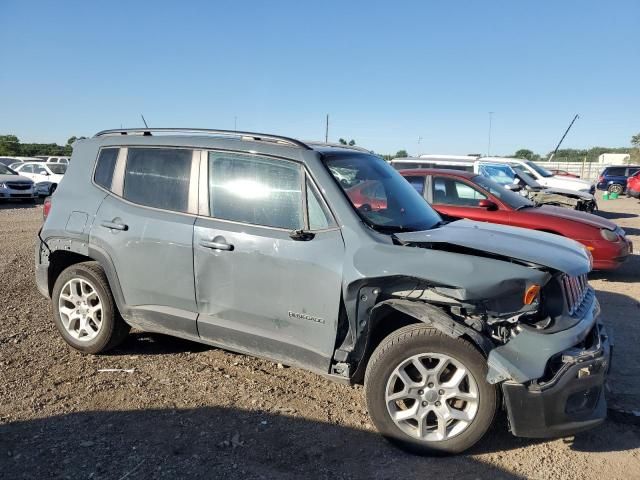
x,y
340,145
251,136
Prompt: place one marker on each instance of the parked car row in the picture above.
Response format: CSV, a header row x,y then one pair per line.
x,y
43,177
537,184
327,258
614,179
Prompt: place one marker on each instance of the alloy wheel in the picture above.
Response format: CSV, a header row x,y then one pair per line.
x,y
80,309
432,397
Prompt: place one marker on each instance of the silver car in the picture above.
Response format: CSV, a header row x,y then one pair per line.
x,y
256,244
14,186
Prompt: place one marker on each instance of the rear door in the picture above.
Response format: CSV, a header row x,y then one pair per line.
x,y
458,198
145,226
261,288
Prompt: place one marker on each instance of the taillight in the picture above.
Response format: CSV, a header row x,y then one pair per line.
x,y
46,208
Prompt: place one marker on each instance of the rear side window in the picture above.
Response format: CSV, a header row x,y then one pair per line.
x,y
616,171
255,190
158,177
105,167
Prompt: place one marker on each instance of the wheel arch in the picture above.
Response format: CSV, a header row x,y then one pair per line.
x,y
390,315
63,258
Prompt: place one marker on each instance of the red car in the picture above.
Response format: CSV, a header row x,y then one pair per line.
x,y
633,186
459,194
564,173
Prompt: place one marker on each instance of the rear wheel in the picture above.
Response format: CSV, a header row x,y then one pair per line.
x,y
616,188
52,188
426,391
84,310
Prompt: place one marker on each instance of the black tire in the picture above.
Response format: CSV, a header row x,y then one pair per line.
x,y
113,329
418,339
52,188
616,188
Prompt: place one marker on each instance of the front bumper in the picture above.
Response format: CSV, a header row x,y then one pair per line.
x,y
569,399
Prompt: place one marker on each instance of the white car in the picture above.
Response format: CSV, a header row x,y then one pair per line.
x,y
48,159
46,176
472,163
544,177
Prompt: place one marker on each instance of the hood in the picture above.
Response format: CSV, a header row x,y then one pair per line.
x,y
569,193
574,216
578,182
545,249
14,178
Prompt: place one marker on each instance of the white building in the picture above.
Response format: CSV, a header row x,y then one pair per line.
x,y
614,158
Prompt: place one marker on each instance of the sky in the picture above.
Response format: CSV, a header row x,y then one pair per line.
x,y
421,76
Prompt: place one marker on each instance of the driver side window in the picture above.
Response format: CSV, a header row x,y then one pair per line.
x,y
447,191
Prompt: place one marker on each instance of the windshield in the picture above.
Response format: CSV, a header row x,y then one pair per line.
x,y
501,174
541,171
4,170
380,195
514,200
57,168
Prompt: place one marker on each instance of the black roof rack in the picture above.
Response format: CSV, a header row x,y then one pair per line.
x,y
339,145
251,136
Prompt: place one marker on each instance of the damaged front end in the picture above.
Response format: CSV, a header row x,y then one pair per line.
x,y
524,301
568,199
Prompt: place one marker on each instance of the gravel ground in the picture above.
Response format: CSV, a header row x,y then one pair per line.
x,y
191,410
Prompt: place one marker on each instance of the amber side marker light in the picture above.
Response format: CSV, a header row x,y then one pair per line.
x,y
531,294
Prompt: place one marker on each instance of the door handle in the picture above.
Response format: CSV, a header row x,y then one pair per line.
x,y
115,226
219,245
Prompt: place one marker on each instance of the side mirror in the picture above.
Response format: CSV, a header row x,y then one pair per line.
x,y
488,204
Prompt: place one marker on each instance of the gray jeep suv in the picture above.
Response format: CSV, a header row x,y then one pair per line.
x,y
269,246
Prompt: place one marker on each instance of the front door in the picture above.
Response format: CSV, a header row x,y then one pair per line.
x,y
457,198
261,287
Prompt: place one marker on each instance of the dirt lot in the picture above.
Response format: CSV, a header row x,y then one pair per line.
x,y
192,410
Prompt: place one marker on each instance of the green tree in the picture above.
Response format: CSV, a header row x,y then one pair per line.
x,y
402,154
524,153
352,142
9,145
635,140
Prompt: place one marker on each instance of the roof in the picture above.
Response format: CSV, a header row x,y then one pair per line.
x,y
437,171
204,133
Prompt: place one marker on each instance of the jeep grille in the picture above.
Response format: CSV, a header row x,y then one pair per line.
x,y
576,292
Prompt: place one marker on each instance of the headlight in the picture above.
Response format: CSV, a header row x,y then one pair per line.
x,y
609,235
589,256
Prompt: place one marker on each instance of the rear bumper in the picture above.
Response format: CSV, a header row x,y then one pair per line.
x,y
571,401
42,267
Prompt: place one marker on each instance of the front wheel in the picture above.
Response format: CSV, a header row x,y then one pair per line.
x,y
427,393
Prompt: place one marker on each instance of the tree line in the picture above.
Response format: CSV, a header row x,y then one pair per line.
x,y
11,146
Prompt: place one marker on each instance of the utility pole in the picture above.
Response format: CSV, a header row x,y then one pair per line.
x,y
235,123
565,134
326,130
489,145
